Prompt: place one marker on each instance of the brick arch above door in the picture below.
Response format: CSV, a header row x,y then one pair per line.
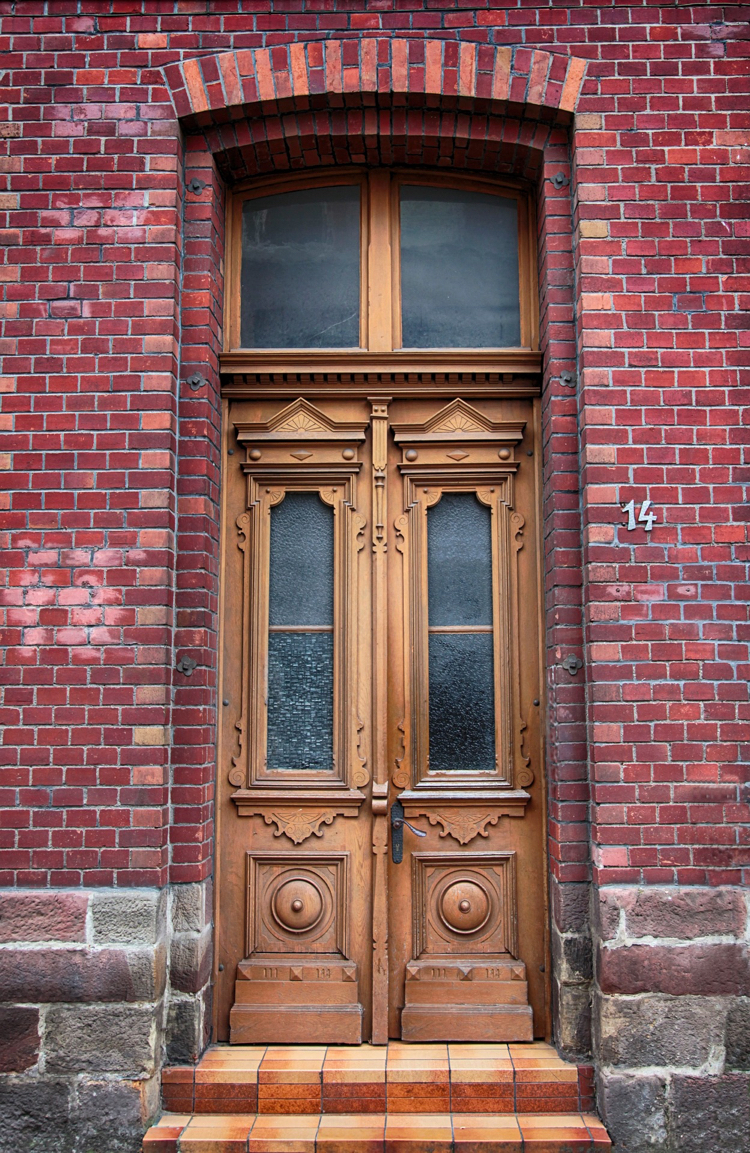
x,y
378,101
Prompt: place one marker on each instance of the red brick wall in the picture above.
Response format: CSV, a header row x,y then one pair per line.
x,y
104,313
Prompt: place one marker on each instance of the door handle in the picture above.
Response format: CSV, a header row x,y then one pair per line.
x,y
397,832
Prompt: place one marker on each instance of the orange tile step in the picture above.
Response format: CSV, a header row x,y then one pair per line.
x,y
378,1133
394,1079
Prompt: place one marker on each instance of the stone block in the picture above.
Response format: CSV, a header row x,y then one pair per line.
x,y
35,1116
570,907
634,1109
113,1115
100,1039
128,916
655,1030
573,1018
184,1037
572,958
681,914
190,961
19,1029
190,907
737,1035
43,916
679,970
710,1113
53,975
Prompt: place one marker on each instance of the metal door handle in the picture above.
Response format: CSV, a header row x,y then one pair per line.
x,y
397,832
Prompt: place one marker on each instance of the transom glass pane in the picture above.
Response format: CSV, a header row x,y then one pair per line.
x,y
459,269
300,638
461,648
300,269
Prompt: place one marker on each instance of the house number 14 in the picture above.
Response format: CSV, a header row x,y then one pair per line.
x,y
645,517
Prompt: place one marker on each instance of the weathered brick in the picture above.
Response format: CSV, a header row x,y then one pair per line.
x,y
19,1027
694,969
42,916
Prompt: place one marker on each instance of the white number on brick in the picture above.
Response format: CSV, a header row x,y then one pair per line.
x,y
645,517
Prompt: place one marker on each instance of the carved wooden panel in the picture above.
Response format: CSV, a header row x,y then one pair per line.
x,y
297,903
464,904
459,449
299,449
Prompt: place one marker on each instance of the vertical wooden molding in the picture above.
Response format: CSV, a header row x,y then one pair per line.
x,y
379,273
379,422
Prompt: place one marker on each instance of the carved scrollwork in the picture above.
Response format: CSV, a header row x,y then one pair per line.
x,y
361,775
236,774
463,827
524,774
297,824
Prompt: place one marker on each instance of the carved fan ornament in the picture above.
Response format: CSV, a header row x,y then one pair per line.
x,y
301,421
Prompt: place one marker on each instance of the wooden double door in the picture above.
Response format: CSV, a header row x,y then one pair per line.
x,y
381,867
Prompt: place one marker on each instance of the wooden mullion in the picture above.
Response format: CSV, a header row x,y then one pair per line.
x,y
379,264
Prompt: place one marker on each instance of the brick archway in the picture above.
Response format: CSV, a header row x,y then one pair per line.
x,y
378,101
267,81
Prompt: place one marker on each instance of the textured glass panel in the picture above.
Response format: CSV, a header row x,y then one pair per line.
x,y
301,566
459,561
459,269
300,701
300,269
462,703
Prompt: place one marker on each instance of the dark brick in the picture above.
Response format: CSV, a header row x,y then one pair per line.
x,y
19,1029
35,1116
634,1111
42,916
679,970
669,912
710,1113
53,975
737,1036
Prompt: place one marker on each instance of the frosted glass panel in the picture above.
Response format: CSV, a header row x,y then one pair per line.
x,y
459,549
300,640
300,269
462,703
301,568
461,647
459,269
300,701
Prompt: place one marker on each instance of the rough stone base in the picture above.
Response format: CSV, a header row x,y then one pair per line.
x,y
672,1019
93,985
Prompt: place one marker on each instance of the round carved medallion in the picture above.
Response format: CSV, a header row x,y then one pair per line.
x,y
298,904
464,906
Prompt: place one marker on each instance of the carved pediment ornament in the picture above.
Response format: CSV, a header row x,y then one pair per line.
x,y
297,824
460,421
463,827
300,420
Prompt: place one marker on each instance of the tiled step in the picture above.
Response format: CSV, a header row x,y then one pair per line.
x,y
378,1133
394,1079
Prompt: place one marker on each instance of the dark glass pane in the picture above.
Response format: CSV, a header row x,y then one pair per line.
x,y
301,565
300,269
300,701
462,703
459,561
459,269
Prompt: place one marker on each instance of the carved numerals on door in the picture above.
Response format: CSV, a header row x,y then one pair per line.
x,y
297,903
464,904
